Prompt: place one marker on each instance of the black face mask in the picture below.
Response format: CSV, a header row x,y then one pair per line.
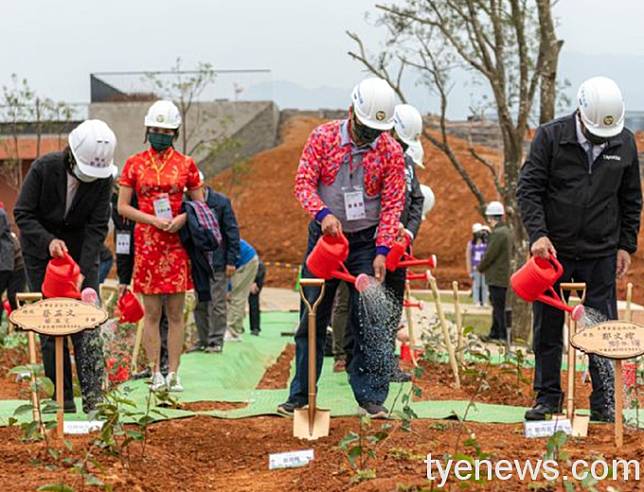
x,y
363,133
593,139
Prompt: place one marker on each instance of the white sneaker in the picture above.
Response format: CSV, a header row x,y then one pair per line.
x,y
232,337
174,383
157,382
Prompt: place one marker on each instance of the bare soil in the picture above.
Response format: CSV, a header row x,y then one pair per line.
x,y
277,375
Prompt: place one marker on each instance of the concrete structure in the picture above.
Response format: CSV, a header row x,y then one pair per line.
x,y
219,133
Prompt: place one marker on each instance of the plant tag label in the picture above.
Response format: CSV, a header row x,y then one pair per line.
x,y
546,428
354,205
82,427
123,239
162,207
291,459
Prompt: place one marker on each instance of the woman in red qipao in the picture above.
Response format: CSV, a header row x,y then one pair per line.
x,y
159,177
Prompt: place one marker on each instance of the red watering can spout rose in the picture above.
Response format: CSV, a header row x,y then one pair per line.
x,y
533,280
327,258
399,258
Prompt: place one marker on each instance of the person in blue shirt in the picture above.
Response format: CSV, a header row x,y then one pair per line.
x,y
240,285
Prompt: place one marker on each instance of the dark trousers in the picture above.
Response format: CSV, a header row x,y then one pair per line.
x,y
104,268
599,276
13,282
367,383
254,312
497,299
163,333
395,284
340,320
88,350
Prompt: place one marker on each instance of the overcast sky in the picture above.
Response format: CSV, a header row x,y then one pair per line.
x,y
56,44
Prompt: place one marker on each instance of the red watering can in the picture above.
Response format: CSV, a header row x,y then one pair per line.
x,y
130,308
536,277
327,258
7,306
62,278
425,276
399,258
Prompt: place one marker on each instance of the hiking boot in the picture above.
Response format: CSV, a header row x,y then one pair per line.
x,y
399,376
214,349
541,411
286,409
173,383
196,348
373,410
602,416
157,383
340,365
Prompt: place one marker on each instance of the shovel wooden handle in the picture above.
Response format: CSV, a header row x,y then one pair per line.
x,y
311,282
573,286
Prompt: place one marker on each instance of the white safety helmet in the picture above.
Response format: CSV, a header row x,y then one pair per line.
x,y
163,114
373,102
601,107
92,144
476,228
429,199
202,178
494,208
408,124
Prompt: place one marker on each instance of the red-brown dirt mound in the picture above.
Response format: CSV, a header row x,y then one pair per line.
x,y
272,220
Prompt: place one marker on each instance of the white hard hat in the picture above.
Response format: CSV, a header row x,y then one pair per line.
x,y
476,227
494,208
92,144
429,199
201,176
115,172
163,114
373,102
486,228
601,107
408,124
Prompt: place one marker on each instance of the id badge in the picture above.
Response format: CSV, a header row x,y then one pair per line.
x,y
354,205
477,256
162,207
123,239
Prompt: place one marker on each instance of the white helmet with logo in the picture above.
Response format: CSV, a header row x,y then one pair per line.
x,y
494,208
373,102
601,107
163,114
429,199
92,144
408,124
477,227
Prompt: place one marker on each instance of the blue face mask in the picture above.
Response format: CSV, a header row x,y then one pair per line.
x,y
160,141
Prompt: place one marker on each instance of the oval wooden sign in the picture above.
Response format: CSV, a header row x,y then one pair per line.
x,y
612,339
58,316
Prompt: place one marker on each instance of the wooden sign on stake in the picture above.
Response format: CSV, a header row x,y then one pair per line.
x,y
58,317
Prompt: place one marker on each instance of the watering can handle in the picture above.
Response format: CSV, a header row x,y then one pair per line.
x,y
557,265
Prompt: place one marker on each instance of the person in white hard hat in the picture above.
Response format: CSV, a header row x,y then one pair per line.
x,y
351,181
429,199
158,177
474,252
64,207
408,124
580,200
495,265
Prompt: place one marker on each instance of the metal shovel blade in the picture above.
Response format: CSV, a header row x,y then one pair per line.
x,y
303,428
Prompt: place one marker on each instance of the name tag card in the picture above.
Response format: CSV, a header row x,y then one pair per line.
x,y
354,205
162,207
123,240
546,428
83,427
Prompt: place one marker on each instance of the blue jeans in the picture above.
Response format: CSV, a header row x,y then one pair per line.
x,y
367,384
479,288
599,276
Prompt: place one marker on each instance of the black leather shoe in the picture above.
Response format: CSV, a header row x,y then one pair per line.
x,y
602,416
541,411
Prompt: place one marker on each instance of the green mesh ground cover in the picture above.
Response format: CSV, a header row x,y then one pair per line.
x,y
233,376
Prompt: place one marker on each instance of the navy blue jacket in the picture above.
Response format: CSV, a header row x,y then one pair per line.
x,y
199,243
228,251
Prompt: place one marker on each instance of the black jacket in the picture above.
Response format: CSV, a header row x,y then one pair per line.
x,y
124,262
7,248
40,216
585,212
412,215
228,251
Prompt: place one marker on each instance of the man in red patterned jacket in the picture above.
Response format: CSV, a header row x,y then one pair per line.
x,y
351,180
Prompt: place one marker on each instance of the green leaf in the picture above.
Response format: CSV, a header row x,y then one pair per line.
x,y
47,386
467,330
68,444
135,435
54,453
348,439
22,409
55,487
353,454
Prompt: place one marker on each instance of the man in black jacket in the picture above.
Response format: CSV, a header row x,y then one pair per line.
x,y
64,206
580,199
210,316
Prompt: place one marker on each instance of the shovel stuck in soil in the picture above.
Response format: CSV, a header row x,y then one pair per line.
x,y
310,422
